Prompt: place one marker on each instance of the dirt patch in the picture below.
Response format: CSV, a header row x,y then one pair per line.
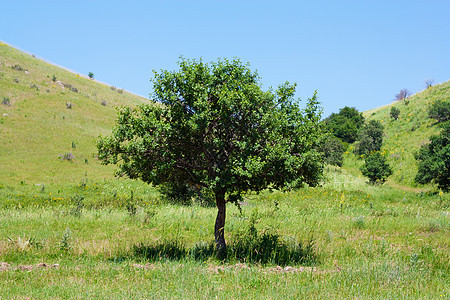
x,y
277,269
4,266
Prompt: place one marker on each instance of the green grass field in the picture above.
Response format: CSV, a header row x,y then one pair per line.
x,y
69,229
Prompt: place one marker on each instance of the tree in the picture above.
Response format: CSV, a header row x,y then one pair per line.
x,y
395,112
402,95
333,150
376,168
91,75
440,111
434,160
370,138
345,124
429,83
211,125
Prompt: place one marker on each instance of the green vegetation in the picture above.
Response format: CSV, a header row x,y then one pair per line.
x,y
370,138
333,150
434,160
395,112
346,124
440,111
375,168
203,130
69,229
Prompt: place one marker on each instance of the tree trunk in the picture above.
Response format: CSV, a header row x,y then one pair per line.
x,y
220,226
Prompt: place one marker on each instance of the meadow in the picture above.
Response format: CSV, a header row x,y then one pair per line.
x,y
367,242
70,229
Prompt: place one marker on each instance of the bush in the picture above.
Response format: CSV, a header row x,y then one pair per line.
x,y
376,168
440,111
434,160
333,150
395,112
6,101
345,124
370,138
91,75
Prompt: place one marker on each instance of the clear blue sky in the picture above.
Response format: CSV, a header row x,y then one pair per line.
x,y
354,53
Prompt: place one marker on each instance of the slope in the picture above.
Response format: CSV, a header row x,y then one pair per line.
x,y
50,119
412,129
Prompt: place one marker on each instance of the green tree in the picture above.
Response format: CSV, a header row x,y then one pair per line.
x,y
434,160
211,125
395,112
376,168
333,150
370,138
345,124
91,75
440,111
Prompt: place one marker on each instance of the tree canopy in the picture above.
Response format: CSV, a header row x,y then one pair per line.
x,y
434,160
211,125
345,124
370,137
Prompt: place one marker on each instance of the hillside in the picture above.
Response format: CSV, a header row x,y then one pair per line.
x,y
47,112
404,136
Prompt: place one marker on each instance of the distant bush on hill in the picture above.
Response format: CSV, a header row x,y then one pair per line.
x,y
434,160
333,150
345,124
370,138
440,111
395,112
376,168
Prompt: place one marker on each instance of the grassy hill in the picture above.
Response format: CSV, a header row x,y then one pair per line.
x,y
403,137
48,112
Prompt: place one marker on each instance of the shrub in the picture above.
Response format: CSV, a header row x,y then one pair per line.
x,y
69,105
66,156
18,68
376,168
434,160
6,101
370,138
440,111
333,150
54,78
429,83
395,112
345,124
91,75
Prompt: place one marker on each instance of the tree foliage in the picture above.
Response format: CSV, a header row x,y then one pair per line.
x,y
370,138
212,126
434,160
345,124
333,150
440,111
395,112
376,168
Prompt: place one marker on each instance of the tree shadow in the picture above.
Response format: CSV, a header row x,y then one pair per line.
x,y
250,247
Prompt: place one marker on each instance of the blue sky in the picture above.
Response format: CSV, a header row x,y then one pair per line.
x,y
354,53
